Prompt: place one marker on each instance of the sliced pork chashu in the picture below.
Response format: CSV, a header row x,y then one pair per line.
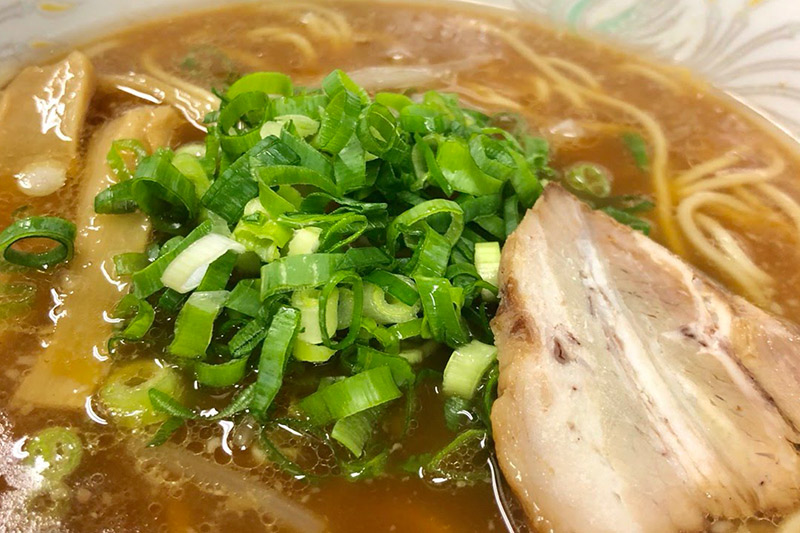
x,y
636,395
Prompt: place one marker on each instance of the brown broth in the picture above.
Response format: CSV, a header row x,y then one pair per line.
x,y
110,491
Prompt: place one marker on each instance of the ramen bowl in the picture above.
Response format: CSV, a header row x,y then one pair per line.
x,y
365,266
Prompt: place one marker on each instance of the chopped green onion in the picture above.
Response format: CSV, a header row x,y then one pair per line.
x,y
395,101
304,126
430,255
354,431
164,403
338,81
125,393
219,272
368,358
331,289
127,263
377,307
363,234
305,241
466,367
272,83
407,330
116,199
638,149
395,285
240,122
194,326
274,355
116,161
186,271
165,431
461,171
171,301
453,461
414,356
191,167
148,280
350,166
418,214
371,329
140,315
525,182
441,303
346,308
343,232
61,232
161,191
245,297
457,412
246,339
624,217
511,215
487,261
366,258
311,353
236,185
54,452
339,121
220,375
307,301
298,272
258,233
194,149
589,178
350,396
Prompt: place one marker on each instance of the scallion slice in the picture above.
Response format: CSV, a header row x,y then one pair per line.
x,y
339,121
379,308
186,271
61,232
194,326
298,272
487,261
466,367
307,301
116,199
54,452
139,315
220,375
350,396
354,431
245,297
116,157
125,393
441,303
367,358
272,83
311,353
127,263
305,241
274,355
356,310
418,214
148,280
161,191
